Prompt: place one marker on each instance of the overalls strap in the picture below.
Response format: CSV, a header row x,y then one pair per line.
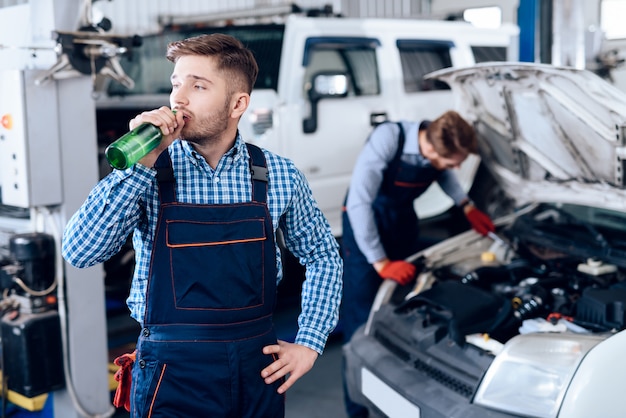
x,y
258,170
389,175
165,177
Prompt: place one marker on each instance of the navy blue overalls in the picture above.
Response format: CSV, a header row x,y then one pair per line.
x,y
398,229
210,298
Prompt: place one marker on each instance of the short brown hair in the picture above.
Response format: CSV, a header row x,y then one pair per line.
x,y
450,134
233,58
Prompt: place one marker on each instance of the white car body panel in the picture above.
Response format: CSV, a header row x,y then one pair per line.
x,y
597,389
547,132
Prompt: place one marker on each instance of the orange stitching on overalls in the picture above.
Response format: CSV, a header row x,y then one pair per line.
x,y
220,222
262,269
408,184
201,244
156,390
209,244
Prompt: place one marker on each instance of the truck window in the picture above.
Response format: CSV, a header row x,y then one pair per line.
x,y
420,57
355,57
489,53
151,71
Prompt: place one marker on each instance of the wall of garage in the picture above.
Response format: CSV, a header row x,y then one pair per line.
x,y
140,16
576,36
7,3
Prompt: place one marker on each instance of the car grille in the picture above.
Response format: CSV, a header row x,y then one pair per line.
x,y
440,376
445,379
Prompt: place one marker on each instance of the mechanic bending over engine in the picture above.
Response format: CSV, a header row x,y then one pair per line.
x,y
380,226
204,208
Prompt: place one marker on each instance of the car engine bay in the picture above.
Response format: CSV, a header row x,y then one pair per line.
x,y
563,270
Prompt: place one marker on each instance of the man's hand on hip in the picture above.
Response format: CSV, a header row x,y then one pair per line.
x,y
290,359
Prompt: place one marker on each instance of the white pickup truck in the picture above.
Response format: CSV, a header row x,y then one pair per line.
x,y
324,82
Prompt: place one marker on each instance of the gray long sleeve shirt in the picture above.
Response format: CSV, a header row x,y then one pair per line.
x,y
367,177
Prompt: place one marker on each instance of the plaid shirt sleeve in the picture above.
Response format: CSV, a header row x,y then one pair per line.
x,y
309,238
120,204
99,229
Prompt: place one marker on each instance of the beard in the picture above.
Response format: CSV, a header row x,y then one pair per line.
x,y
209,128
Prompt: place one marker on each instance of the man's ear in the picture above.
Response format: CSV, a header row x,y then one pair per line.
x,y
426,147
239,104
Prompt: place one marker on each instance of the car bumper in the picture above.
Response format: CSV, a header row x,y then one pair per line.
x,y
383,382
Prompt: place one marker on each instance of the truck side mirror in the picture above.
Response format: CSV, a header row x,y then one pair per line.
x,y
324,85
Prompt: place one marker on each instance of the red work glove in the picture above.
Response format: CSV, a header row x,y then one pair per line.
x,y
480,221
123,377
399,271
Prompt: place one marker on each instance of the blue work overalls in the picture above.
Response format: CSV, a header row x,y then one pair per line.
x,y
209,304
398,229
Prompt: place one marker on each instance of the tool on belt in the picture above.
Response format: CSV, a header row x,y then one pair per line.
x,y
123,377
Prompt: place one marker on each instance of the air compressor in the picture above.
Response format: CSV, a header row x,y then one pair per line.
x,y
30,331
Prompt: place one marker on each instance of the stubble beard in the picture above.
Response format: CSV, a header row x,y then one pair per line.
x,y
208,129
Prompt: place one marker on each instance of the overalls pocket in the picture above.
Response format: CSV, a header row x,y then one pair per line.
x,y
146,378
194,247
189,388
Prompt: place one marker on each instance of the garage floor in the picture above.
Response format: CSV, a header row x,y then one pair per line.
x,y
319,394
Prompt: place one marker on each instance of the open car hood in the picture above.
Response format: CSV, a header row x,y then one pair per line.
x,y
547,133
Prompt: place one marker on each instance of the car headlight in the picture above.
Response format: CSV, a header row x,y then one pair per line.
x,y
532,373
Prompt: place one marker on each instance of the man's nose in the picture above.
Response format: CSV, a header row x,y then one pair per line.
x,y
178,96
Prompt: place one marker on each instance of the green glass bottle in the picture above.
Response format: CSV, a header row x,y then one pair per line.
x,y
133,146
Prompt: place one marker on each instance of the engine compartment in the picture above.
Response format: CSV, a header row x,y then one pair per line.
x,y
563,272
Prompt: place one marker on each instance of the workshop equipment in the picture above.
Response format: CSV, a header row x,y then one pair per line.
x,y
30,332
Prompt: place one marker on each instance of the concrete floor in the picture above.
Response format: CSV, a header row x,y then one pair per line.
x,y
319,393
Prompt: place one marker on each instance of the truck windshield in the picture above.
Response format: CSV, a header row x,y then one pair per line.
x,y
151,71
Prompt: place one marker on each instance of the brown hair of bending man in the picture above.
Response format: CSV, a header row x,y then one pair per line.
x,y
450,135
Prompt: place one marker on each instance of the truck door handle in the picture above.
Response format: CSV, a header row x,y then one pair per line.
x,y
378,118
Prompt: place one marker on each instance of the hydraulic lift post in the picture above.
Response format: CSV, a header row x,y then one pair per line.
x,y
66,122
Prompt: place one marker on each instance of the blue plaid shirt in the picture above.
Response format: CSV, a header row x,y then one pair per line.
x,y
127,202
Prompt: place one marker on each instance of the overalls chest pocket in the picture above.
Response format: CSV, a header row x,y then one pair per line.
x,y
409,182
216,264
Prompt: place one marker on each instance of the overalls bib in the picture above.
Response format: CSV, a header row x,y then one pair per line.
x,y
393,208
209,303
